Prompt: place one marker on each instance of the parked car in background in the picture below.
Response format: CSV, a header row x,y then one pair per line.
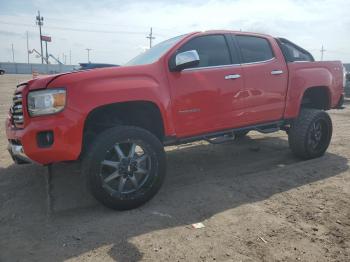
x,y
213,85
2,71
347,85
84,66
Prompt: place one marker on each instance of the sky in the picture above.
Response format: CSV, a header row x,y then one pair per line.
x,y
116,30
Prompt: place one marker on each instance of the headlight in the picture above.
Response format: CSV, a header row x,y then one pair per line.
x,y
46,102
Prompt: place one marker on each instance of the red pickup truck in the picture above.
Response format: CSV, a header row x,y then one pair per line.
x,y
214,85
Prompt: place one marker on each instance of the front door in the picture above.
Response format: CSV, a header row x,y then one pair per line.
x,y
202,96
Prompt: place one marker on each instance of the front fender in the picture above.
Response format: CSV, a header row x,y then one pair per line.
x,y
88,90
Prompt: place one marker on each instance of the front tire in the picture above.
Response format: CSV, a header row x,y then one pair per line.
x,y
125,167
310,134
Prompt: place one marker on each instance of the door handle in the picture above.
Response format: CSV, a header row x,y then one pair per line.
x,y
276,72
228,77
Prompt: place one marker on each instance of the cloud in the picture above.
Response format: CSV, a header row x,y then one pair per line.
x,y
114,29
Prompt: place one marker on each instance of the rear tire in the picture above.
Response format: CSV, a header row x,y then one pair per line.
x,y
125,167
310,134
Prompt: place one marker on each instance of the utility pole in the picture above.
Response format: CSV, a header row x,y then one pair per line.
x,y
88,53
70,56
322,52
47,54
27,48
13,55
40,23
150,37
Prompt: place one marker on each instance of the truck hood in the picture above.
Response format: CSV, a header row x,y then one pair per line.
x,y
43,81
98,74
102,76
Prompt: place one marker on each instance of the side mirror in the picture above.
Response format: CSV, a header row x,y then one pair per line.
x,y
186,59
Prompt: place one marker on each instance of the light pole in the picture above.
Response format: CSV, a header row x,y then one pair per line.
x,y
27,48
47,54
13,54
322,52
40,22
88,53
150,37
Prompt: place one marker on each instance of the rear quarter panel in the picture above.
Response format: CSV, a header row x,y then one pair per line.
x,y
304,75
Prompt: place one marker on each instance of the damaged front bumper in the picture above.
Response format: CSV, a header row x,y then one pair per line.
x,y
17,153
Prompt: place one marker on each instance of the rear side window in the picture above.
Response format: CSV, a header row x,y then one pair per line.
x,y
254,49
212,50
294,53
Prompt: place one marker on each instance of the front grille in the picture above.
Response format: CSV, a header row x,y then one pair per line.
x,y
17,110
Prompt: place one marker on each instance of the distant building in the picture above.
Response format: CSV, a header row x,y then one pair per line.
x,y
347,66
347,87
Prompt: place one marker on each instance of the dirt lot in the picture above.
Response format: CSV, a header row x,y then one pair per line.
x,y
257,202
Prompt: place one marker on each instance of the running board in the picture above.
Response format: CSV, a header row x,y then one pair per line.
x,y
268,129
262,128
221,139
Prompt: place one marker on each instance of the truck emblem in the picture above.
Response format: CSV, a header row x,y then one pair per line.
x,y
193,110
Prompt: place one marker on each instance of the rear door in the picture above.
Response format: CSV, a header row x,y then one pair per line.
x,y
265,79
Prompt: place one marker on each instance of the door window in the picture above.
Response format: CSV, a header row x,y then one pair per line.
x,y
212,50
254,49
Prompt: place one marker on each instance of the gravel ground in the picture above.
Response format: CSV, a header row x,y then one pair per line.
x,y
257,202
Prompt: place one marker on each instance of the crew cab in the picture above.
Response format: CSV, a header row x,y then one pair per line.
x,y
213,85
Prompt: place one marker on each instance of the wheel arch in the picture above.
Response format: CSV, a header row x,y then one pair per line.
x,y
140,113
317,97
305,79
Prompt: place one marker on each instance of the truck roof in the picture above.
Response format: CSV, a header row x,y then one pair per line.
x,y
234,32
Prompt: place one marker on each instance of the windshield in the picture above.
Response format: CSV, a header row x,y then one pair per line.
x,y
153,54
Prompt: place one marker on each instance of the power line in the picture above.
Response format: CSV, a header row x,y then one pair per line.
x,y
16,24
82,29
112,24
338,52
106,24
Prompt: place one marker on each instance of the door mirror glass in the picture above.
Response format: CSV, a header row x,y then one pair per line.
x,y
186,59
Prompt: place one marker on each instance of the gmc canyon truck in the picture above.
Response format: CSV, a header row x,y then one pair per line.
x,y
214,86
